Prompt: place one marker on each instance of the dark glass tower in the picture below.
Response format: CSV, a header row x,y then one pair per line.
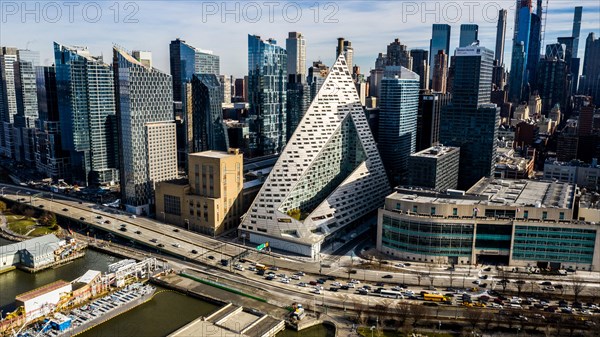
x,y
469,33
209,132
552,81
421,66
86,104
520,51
267,83
591,69
440,40
470,121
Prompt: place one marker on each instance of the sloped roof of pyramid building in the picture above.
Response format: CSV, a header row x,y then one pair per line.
x,y
329,174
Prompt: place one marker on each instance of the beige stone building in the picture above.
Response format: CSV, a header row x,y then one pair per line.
x,y
210,200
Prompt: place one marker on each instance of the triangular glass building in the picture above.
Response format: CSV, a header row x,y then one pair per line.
x,y
328,177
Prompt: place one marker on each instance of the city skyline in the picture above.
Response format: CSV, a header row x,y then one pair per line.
x,y
195,20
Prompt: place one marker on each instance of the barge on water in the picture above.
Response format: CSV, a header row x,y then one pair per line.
x,y
96,312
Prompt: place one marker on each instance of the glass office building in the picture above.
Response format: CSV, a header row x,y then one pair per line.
x,y
208,130
398,120
86,105
440,40
495,222
267,84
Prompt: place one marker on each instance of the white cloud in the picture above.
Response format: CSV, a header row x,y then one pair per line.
x,y
370,25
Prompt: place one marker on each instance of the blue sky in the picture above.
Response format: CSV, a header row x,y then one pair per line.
x,y
222,26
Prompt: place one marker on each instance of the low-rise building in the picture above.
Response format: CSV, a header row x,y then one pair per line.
x,y
435,167
210,200
33,253
514,163
573,172
508,222
43,300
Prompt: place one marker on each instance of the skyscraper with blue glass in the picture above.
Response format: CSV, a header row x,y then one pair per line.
x,y
267,83
398,120
469,33
470,121
518,68
208,130
440,40
86,105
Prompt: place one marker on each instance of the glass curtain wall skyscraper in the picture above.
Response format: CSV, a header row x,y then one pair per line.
x,y
146,130
520,50
298,91
267,83
86,104
470,121
398,120
440,40
209,132
469,33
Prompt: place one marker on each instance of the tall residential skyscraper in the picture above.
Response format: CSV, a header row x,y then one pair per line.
x,y
470,121
469,33
535,46
345,47
440,72
267,83
518,69
18,102
208,130
398,55
552,81
440,40
295,46
428,118
86,105
298,92
147,137
186,61
501,36
398,105
576,30
421,66
590,82
318,184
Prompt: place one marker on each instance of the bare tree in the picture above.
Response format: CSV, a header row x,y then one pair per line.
x,y
487,318
503,279
451,277
473,316
401,313
417,313
519,283
419,276
349,271
431,279
578,286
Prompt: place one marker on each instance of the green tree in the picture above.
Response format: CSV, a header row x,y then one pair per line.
x,y
2,206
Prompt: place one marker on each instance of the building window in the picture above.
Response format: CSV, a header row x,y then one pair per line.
x,y
544,215
455,211
525,214
561,215
397,205
172,204
432,210
414,209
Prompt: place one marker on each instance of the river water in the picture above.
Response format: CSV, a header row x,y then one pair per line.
x,y
165,313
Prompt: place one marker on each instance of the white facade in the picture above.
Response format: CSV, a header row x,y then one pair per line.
x,y
587,176
329,175
40,302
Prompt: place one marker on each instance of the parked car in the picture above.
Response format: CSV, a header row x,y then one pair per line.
x,y
387,276
82,218
65,209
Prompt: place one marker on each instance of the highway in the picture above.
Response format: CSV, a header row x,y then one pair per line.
x,y
209,251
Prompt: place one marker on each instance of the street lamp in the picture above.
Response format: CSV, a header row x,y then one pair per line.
x,y
372,329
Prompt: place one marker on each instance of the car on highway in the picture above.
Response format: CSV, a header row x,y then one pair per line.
x,y
546,283
548,288
476,282
160,245
176,230
344,287
81,202
299,273
350,285
331,278
316,291
295,277
176,245
194,251
65,209
107,222
363,291
302,284
82,218
41,206
274,268
387,276
400,265
210,257
132,216
285,280
269,277
333,289
98,216
488,269
123,229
